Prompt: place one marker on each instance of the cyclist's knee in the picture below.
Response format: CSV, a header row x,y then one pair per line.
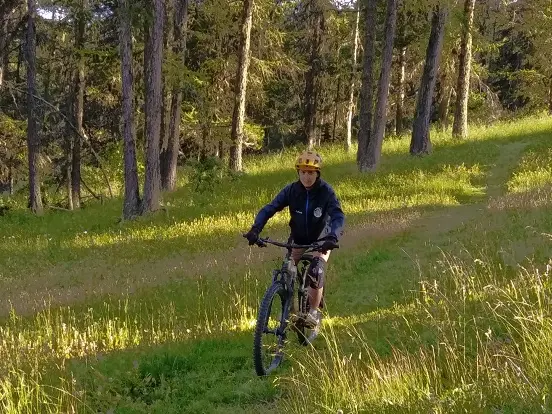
x,y
317,273
323,255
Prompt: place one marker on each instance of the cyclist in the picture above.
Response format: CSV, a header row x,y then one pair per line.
x,y
316,214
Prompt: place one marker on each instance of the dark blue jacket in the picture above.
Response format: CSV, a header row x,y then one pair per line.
x,y
310,211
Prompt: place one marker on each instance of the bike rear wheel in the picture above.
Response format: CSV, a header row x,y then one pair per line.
x,y
270,331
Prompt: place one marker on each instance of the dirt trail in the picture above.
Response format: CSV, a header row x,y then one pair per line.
x,y
85,281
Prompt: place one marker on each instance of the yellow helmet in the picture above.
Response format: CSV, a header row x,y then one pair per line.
x,y
309,160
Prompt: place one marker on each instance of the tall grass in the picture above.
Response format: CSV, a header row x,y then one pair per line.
x,y
490,347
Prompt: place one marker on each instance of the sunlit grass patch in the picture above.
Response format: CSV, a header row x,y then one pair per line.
x,y
362,318
534,170
68,332
529,185
26,392
448,186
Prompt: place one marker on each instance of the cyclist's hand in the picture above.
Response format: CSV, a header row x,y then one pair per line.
x,y
329,243
252,236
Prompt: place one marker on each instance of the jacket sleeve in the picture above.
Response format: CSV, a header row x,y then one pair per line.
x,y
278,204
337,218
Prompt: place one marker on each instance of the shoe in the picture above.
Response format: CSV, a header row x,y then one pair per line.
x,y
311,320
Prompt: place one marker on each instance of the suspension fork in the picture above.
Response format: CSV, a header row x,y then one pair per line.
x,y
302,291
289,283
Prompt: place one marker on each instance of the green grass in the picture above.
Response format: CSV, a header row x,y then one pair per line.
x,y
534,170
438,300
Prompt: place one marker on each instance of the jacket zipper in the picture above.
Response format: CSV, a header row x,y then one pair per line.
x,y
307,215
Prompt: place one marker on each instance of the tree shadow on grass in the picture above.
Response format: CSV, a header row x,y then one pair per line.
x,y
208,375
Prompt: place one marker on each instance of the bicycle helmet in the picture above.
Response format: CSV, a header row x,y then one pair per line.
x,y
309,160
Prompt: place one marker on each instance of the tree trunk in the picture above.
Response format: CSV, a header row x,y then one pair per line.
x,y
165,114
68,147
367,88
550,97
33,140
165,87
169,156
3,46
376,141
444,100
153,78
67,177
351,106
420,142
205,138
7,9
241,87
131,203
460,125
78,104
399,114
336,107
311,79
10,178
165,155
18,66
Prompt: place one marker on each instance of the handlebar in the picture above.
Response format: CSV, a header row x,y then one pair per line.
x,y
262,242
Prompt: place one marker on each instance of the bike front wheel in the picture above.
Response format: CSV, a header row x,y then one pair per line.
x,y
270,331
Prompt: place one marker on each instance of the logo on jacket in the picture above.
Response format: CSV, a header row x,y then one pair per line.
x,y
317,212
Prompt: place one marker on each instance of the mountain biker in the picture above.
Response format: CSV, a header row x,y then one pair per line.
x,y
316,214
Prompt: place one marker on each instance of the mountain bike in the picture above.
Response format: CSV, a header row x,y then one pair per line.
x,y
282,307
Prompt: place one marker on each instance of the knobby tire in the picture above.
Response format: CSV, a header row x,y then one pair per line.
x,y
278,292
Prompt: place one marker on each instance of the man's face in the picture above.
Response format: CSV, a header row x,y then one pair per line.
x,y
307,177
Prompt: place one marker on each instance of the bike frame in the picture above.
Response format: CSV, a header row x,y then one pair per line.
x,y
288,273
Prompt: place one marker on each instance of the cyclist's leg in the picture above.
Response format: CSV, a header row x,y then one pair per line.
x,y
317,272
317,275
296,254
